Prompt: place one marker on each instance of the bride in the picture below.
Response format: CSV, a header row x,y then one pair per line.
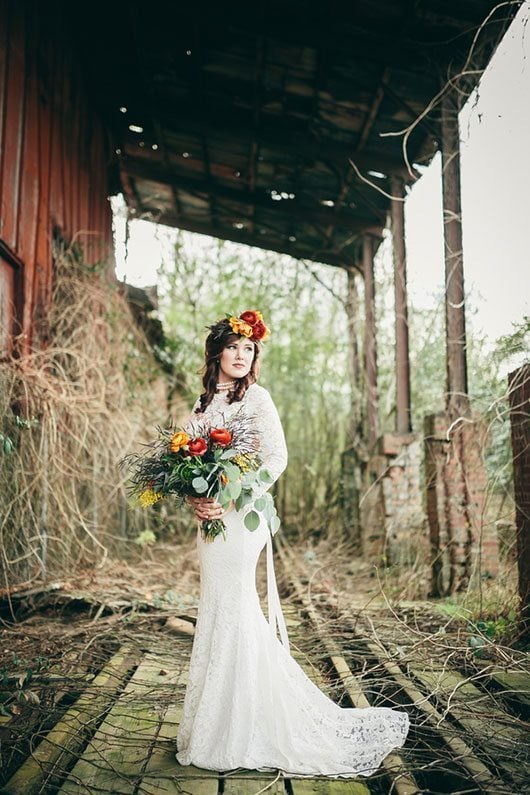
x,y
248,704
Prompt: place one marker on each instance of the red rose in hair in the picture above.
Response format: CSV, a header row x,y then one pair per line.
x,y
197,446
250,316
222,436
260,331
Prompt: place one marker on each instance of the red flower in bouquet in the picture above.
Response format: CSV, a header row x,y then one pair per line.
x,y
221,463
197,446
221,436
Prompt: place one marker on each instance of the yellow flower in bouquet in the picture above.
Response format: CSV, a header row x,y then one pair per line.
x,y
178,440
149,497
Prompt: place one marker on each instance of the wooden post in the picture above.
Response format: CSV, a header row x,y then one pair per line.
x,y
455,330
352,310
519,396
370,346
403,417
354,453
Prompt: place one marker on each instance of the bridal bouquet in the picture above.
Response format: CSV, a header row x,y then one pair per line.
x,y
221,463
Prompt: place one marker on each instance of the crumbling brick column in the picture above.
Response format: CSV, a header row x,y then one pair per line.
x,y
392,516
519,395
463,546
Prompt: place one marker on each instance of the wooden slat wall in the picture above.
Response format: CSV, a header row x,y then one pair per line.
x,y
54,153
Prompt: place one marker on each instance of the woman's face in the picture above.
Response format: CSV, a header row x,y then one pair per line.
x,y
236,359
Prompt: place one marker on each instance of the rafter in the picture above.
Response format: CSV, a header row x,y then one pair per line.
x,y
277,133
244,198
266,242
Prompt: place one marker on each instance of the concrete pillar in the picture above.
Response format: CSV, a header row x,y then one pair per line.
x,y
403,415
457,386
370,345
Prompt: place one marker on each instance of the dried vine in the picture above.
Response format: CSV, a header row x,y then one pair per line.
x,y
69,410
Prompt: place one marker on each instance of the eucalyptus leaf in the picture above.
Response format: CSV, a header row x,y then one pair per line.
x,y
232,472
275,523
252,520
227,454
200,485
234,489
260,504
269,511
266,476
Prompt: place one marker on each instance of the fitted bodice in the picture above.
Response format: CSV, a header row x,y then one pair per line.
x,y
258,405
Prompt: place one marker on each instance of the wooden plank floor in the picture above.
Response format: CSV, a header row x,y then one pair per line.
x,y
119,737
132,750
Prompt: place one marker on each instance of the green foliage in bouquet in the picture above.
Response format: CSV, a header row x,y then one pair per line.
x,y
218,463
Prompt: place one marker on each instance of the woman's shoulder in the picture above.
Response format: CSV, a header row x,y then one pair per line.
x,y
257,391
259,396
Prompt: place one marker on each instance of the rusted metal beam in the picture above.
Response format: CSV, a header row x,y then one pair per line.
x,y
370,346
457,385
403,415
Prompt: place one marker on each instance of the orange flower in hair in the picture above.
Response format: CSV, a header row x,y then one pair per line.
x,y
240,327
250,324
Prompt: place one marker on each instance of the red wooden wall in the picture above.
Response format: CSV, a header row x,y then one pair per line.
x,y
54,157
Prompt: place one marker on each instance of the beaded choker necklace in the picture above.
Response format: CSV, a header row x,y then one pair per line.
x,y
225,386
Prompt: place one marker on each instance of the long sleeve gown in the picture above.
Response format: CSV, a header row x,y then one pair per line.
x,y
248,704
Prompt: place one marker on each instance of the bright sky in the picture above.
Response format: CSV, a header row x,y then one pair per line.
x,y
495,167
495,196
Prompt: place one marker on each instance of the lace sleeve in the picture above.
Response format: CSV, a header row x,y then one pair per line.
x,y
273,448
192,418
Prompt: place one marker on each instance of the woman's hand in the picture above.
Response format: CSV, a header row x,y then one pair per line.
x,y
207,509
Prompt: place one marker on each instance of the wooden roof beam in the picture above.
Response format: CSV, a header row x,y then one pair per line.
x,y
265,242
284,140
288,208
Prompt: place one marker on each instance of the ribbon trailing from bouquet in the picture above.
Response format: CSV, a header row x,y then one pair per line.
x,y
276,619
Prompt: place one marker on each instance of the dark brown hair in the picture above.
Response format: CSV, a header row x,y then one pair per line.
x,y
220,336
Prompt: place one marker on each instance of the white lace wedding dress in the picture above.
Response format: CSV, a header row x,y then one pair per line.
x,y
248,704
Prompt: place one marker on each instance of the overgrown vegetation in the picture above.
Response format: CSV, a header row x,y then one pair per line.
x,y
305,364
68,412
75,406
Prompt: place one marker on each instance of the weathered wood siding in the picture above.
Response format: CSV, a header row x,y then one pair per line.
x,y
54,155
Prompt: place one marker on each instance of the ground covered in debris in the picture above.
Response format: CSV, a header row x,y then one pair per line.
x,y
57,637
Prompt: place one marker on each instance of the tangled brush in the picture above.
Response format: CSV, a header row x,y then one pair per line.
x,y
69,410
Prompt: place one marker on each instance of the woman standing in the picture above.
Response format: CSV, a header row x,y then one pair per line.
x,y
248,704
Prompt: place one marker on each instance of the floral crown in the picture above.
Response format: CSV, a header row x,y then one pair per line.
x,y
249,324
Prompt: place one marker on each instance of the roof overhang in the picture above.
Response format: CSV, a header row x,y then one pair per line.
x,y
242,120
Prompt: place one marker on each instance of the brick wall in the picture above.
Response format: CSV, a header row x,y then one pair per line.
x,y
392,516
463,546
